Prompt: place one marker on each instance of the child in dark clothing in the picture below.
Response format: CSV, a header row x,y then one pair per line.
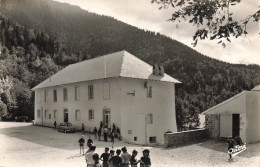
x,y
145,159
112,152
81,144
95,132
116,160
99,134
96,159
133,160
104,157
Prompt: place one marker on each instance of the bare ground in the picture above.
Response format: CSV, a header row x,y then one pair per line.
x,y
22,144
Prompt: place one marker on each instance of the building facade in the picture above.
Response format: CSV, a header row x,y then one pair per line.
x,y
116,89
237,116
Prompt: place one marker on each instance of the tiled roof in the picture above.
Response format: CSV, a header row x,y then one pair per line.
x,y
119,64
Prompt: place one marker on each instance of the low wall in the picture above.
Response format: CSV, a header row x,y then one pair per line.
x,y
185,137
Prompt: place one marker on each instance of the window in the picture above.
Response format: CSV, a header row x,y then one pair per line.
x,y
65,94
152,139
149,118
135,138
77,93
49,116
77,115
91,115
38,113
45,114
45,95
54,95
106,91
149,91
55,114
90,92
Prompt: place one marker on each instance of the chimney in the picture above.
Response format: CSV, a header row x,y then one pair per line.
x,y
161,70
156,69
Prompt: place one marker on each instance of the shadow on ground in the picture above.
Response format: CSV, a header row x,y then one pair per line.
x,y
50,137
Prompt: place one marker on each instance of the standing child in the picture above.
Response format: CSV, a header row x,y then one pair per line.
x,y
145,159
99,134
81,144
113,138
55,124
89,156
96,160
104,157
105,131
83,128
116,160
112,152
133,160
125,156
89,144
95,132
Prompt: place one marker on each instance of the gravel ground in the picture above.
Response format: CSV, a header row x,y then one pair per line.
x,y
22,144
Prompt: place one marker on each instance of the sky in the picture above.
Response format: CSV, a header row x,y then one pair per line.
x,y
145,15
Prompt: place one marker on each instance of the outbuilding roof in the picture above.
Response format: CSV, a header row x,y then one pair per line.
x,y
119,64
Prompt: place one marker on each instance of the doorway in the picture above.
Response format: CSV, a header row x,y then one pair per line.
x,y
235,125
66,115
107,118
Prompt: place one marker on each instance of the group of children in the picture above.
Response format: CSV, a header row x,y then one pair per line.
x,y
111,160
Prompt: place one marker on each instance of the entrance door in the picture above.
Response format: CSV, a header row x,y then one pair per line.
x,y
235,125
66,115
106,118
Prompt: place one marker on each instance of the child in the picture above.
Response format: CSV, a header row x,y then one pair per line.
x,y
96,160
81,144
99,134
104,157
133,160
113,138
145,159
89,144
112,152
89,156
125,156
116,160
95,132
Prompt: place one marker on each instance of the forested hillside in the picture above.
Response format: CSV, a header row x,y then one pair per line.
x,y
76,35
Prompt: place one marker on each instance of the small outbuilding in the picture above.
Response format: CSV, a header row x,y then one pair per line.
x,y
237,116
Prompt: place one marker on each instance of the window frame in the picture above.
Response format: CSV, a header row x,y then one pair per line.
x,y
65,94
55,95
149,92
149,118
90,89
77,115
91,115
77,93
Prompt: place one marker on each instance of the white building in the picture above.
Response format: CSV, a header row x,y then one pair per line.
x,y
118,89
237,116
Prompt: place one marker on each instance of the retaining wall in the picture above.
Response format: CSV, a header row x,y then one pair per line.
x,y
185,137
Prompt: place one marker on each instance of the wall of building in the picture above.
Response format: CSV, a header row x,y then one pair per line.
x,y
129,113
186,137
135,110
253,116
83,104
213,125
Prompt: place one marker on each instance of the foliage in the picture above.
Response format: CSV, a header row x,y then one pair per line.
x,y
30,57
213,18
